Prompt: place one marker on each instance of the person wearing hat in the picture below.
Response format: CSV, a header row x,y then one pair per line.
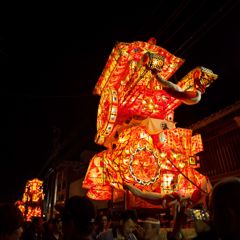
x,y
78,216
11,222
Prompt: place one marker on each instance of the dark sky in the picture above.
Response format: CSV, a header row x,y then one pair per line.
x,y
52,55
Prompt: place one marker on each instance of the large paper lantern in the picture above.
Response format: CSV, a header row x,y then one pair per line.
x,y
135,122
32,200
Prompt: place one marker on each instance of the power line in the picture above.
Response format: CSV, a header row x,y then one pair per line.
x,y
184,23
195,37
177,12
153,13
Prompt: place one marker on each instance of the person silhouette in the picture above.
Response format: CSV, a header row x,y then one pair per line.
x,y
11,222
225,208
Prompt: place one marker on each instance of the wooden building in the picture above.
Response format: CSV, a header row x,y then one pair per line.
x,y
221,140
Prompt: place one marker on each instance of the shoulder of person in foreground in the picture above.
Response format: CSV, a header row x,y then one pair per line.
x,y
107,235
11,221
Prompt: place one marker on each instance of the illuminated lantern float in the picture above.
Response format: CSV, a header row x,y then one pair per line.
x,y
135,123
32,201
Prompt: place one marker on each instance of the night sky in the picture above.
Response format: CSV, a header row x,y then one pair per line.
x,y
52,56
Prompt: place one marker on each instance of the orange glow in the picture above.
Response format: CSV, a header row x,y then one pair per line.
x,y
135,123
31,204
167,183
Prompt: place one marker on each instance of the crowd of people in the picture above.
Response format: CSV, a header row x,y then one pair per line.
x,y
79,221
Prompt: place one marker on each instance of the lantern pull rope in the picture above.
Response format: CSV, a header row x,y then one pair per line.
x,y
186,177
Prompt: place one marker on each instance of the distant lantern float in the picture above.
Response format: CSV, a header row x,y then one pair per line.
x,y
32,200
135,122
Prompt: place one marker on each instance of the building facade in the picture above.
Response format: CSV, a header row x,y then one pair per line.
x,y
221,140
